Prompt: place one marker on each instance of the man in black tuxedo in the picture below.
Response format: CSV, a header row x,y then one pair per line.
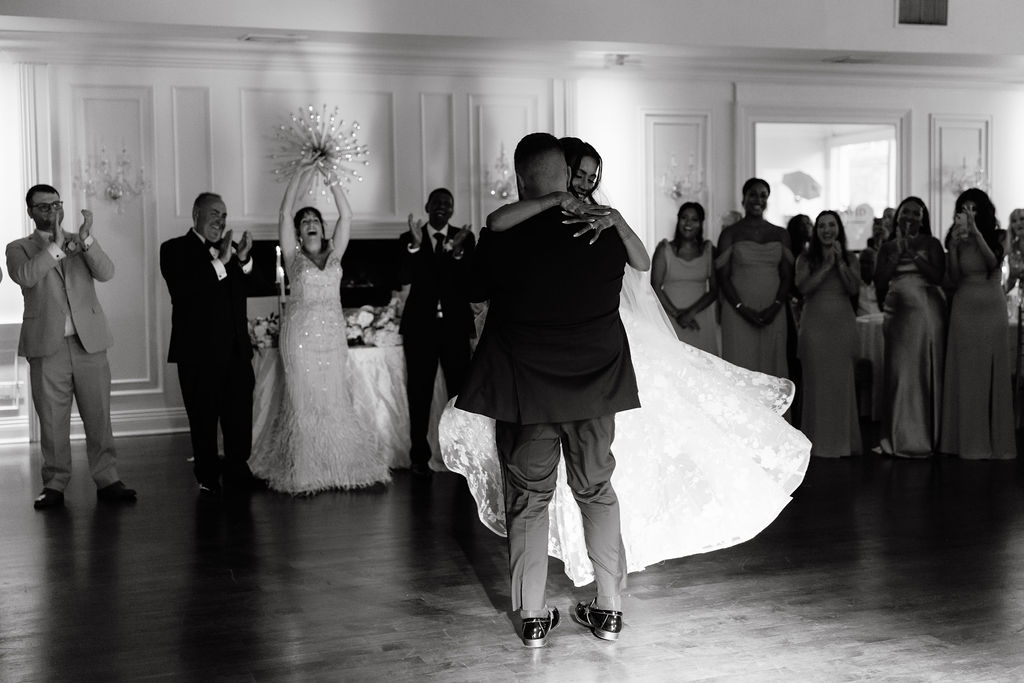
x,y
437,321
552,368
205,274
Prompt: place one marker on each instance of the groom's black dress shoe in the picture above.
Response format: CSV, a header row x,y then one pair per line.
x,y
116,493
49,498
603,623
535,630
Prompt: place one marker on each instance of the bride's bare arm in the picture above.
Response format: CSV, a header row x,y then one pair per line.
x,y
513,214
285,229
343,226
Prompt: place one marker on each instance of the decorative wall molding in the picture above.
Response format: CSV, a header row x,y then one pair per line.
x,y
954,140
192,129
437,143
495,120
681,135
115,117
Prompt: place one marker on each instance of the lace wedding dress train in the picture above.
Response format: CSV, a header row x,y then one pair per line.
x,y
322,436
707,462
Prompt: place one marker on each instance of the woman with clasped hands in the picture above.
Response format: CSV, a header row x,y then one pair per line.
x,y
908,279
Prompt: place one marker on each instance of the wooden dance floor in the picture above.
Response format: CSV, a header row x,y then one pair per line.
x,y
879,569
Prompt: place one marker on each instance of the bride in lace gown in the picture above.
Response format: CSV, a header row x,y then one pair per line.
x,y
707,462
320,438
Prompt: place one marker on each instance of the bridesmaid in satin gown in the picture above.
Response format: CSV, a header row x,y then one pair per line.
x,y
683,278
827,276
977,405
754,268
908,278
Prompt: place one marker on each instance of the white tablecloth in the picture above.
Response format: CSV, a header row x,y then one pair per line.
x,y
380,373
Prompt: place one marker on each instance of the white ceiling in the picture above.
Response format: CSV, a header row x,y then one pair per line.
x,y
820,35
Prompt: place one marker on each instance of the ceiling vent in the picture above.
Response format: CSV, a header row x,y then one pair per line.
x,y
923,12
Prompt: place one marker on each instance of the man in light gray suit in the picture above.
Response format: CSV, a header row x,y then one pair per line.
x,y
64,336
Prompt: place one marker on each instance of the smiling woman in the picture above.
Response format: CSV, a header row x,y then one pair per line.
x,y
754,268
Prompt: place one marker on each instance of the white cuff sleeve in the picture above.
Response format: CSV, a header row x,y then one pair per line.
x,y
411,250
87,242
247,267
55,251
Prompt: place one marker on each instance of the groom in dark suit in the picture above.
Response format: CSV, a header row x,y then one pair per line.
x,y
205,274
552,368
437,321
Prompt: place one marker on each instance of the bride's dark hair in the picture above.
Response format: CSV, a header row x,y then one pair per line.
x,y
310,210
576,151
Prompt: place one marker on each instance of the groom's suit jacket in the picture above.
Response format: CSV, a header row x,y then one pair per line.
x,y
54,289
553,348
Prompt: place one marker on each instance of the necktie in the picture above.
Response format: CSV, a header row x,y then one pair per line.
x,y
438,248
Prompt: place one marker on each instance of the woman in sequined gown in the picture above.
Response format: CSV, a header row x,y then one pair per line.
x,y
320,438
706,463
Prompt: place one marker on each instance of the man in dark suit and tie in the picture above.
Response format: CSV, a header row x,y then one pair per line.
x,y
65,337
205,274
437,321
552,368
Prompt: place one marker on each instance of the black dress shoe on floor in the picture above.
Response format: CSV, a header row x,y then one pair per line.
x,y
535,630
49,498
603,623
422,470
116,493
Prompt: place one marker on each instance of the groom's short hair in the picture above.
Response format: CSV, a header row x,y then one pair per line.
x,y
540,162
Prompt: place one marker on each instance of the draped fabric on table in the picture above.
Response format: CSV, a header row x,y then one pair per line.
x,y
377,372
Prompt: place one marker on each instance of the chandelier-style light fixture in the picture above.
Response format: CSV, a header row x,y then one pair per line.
x,y
681,187
115,181
315,137
502,187
964,178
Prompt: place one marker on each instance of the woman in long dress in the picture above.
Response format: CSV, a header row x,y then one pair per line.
x,y
908,279
322,437
706,463
977,404
755,273
683,278
826,275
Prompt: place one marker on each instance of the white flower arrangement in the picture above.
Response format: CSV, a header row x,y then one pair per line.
x,y
375,326
264,331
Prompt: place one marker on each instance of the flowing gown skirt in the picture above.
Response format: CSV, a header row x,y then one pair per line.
x,y
915,336
706,463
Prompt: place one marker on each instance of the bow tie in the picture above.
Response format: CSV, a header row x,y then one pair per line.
x,y
210,244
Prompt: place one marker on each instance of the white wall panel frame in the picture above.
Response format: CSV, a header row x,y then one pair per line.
x,y
954,141
675,134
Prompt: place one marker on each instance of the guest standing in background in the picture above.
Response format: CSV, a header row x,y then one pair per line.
x,y
437,320
65,337
826,275
1015,249
205,274
908,280
977,405
683,277
754,273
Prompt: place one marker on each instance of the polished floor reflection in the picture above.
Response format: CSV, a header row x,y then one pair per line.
x,y
879,568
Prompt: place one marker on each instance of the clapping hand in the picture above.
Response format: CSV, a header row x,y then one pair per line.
x,y
86,229
225,247
457,242
244,247
415,232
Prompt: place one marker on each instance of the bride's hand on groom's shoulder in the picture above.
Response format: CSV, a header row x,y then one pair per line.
x,y
605,218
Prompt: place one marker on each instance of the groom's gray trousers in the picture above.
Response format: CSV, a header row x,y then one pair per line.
x,y
529,457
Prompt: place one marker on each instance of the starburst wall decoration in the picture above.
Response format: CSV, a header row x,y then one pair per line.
x,y
323,140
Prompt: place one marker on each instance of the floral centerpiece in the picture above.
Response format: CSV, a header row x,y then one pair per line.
x,y
264,331
375,325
